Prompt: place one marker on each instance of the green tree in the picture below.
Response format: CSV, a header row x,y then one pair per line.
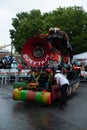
x,y
73,20
26,25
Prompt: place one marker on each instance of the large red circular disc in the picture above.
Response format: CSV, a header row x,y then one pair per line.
x,y
36,52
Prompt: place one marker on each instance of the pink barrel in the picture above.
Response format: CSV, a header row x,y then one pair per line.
x,y
30,95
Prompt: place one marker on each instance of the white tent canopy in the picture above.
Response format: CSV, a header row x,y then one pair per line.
x,y
81,56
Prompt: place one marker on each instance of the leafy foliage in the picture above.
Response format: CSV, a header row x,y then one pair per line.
x,y
73,20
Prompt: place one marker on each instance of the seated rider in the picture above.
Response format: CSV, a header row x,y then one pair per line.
x,y
41,80
32,81
49,75
44,79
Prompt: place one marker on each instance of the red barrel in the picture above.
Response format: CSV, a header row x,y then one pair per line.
x,y
30,95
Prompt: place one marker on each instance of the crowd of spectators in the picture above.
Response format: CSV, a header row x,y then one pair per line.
x,y
5,62
10,62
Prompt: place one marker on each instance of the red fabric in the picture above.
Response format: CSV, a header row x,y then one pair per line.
x,y
66,58
55,92
20,67
75,67
54,56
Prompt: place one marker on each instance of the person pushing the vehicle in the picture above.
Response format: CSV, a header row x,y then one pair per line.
x,y
64,84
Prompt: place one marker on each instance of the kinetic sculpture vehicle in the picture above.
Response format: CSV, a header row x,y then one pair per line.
x,y
36,53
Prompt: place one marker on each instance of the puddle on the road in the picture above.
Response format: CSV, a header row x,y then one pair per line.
x,y
36,115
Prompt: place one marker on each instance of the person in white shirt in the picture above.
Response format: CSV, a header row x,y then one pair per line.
x,y
14,65
64,84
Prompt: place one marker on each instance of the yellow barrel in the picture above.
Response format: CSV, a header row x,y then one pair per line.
x,y
46,98
16,94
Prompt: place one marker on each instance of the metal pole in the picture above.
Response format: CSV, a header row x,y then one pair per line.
x,y
11,49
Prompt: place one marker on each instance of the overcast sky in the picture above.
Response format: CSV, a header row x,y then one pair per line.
x,y
9,9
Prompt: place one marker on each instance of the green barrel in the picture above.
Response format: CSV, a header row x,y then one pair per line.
x,y
23,94
19,84
38,97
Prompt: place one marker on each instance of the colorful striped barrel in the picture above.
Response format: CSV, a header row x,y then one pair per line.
x,y
43,97
30,95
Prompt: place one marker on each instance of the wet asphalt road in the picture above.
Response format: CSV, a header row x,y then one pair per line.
x,y
19,115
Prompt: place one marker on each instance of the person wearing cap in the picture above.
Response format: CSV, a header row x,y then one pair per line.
x,y
64,84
